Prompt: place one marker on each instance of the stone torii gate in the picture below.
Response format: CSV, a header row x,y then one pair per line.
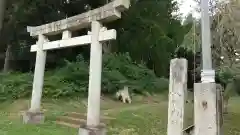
x,y
94,19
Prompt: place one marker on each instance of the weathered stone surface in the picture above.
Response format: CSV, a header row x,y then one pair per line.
x,y
205,109
95,76
107,35
33,117
38,79
109,12
177,93
85,130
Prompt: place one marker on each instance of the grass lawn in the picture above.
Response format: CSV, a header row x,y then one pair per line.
x,y
140,118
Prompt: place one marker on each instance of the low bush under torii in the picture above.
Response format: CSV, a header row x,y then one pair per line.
x,y
71,80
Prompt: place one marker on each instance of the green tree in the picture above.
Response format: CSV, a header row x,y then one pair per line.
x,y
150,33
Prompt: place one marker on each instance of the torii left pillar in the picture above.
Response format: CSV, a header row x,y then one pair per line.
x,y
34,114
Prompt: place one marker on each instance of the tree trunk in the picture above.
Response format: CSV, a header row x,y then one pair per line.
x,y
7,59
2,9
106,48
107,45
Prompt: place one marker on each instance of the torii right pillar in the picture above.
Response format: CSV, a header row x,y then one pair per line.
x,y
205,105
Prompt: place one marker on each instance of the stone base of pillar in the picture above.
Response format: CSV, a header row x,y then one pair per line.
x,y
85,130
33,117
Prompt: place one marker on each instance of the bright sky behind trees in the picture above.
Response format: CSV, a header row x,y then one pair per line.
x,y
188,6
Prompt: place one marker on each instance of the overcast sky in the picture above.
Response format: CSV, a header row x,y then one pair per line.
x,y
188,6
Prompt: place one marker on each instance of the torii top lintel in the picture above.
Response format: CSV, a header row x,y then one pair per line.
x,y
109,12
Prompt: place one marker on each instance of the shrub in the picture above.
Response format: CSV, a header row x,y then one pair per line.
x,y
230,78
15,85
72,79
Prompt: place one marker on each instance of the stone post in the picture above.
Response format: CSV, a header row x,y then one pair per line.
x,y
205,106
94,91
177,92
219,100
34,115
208,74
